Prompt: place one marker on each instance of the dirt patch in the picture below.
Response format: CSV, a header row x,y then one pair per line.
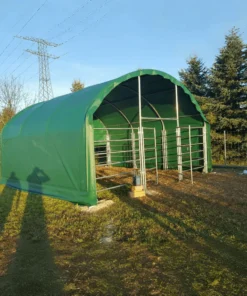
x,y
102,204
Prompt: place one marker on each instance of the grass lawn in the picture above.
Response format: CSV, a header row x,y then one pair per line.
x,y
179,240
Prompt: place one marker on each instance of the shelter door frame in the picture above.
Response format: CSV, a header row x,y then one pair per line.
x,y
164,137
164,132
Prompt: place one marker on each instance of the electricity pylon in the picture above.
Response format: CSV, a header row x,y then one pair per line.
x,y
45,86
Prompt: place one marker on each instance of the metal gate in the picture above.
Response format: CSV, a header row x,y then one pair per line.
x,y
137,153
121,153
191,150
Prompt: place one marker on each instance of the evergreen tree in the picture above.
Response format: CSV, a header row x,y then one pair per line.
x,y
226,111
229,84
222,95
229,73
195,76
77,85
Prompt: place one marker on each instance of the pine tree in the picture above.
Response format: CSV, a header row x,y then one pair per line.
x,y
228,87
195,76
229,72
77,85
229,83
225,100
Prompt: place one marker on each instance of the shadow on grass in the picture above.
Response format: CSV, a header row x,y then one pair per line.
x,y
32,270
222,253
6,200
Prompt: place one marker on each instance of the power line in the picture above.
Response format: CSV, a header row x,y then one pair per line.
x,y
17,22
23,27
80,32
70,16
17,60
82,21
19,65
59,24
9,66
25,70
11,53
94,23
85,29
28,57
63,21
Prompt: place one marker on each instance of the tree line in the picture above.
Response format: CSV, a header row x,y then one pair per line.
x,y
221,92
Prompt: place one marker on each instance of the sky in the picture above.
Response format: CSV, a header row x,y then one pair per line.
x,y
102,39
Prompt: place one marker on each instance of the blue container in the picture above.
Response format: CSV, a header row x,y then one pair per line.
x,y
137,180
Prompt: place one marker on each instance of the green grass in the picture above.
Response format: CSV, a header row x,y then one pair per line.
x,y
182,240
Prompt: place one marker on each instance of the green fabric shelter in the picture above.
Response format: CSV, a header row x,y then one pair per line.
x,y
48,148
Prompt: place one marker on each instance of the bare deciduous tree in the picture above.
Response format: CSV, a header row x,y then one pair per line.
x,y
11,93
13,98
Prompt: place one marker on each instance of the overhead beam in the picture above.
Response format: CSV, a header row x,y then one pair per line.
x,y
146,100
120,112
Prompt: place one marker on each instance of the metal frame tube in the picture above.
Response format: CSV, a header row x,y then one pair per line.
x,y
164,149
158,119
191,166
133,144
205,149
141,156
109,188
141,140
196,168
179,144
113,163
114,152
177,106
184,153
192,127
116,175
140,102
115,140
195,144
108,149
144,161
149,104
195,159
151,169
179,154
156,160
115,128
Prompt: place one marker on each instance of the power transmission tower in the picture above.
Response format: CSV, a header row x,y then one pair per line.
x,y
45,86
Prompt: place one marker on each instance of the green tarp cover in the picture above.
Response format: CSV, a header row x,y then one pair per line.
x,y
48,148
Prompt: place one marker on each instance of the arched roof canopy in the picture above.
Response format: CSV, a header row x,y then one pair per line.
x,y
50,116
